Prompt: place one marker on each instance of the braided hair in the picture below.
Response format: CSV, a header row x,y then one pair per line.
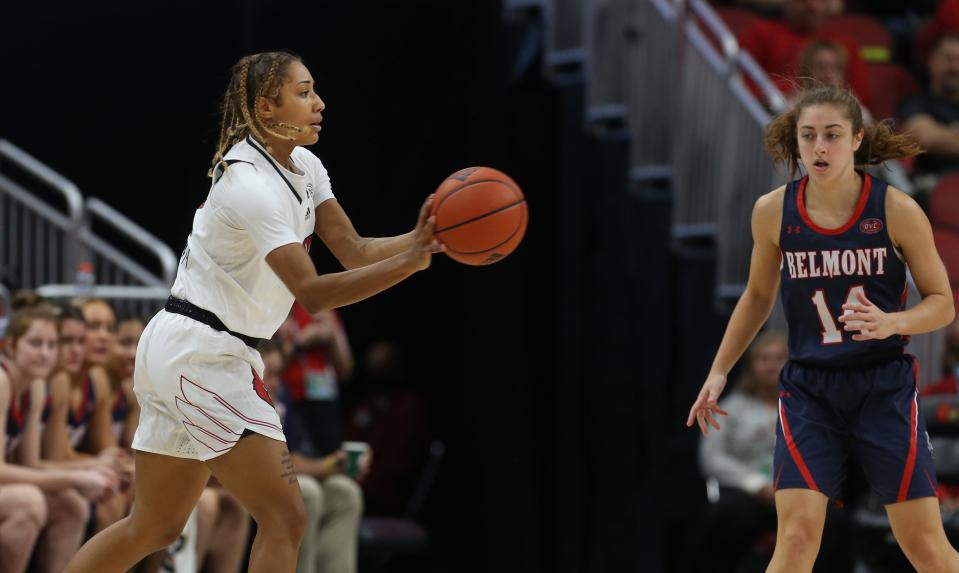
x,y
253,77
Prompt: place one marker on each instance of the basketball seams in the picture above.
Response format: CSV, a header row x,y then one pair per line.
x,y
478,217
502,182
519,226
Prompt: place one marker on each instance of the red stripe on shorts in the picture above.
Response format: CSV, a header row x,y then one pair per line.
x,y
794,451
911,458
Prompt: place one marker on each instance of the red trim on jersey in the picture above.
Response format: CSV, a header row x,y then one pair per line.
x,y
19,408
860,206
794,451
79,413
911,458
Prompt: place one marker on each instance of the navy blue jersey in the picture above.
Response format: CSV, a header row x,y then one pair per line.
x,y
823,268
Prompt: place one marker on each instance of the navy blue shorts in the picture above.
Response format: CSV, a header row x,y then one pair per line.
x,y
824,412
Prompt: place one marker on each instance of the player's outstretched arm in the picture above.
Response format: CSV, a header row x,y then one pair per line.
x,y
910,230
336,231
321,292
751,311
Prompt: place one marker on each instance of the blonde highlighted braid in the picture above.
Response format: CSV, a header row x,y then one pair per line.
x,y
253,77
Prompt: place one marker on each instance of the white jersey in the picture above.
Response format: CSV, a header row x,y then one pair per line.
x,y
254,207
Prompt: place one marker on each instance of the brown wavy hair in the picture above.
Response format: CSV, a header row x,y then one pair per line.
x,y
23,319
879,141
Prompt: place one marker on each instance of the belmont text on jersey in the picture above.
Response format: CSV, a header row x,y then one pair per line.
x,y
836,263
823,269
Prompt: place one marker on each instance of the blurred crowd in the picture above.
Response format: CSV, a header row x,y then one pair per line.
x,y
358,437
901,59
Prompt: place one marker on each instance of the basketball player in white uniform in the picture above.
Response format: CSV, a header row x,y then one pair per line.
x,y
198,376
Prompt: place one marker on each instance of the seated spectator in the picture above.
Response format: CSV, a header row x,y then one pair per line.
x,y
34,499
318,360
933,115
740,458
79,426
823,62
334,502
777,44
391,417
125,412
222,530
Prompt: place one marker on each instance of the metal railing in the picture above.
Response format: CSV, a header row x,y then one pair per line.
x,y
719,162
59,251
651,88
39,237
564,33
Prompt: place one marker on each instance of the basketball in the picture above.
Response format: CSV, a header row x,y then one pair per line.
x,y
480,215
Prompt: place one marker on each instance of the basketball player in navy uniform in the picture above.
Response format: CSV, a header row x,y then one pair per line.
x,y
197,375
839,243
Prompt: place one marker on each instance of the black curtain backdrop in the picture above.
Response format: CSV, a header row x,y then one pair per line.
x,y
549,375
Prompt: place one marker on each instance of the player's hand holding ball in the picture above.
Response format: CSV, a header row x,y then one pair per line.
x,y
871,322
424,243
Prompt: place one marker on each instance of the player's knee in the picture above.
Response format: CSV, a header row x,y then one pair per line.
x,y
800,535
286,521
26,506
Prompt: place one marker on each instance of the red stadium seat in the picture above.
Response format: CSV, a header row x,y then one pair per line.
x,y
738,19
944,204
890,84
874,40
947,243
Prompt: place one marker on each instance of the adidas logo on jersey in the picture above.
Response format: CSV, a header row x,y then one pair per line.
x,y
307,214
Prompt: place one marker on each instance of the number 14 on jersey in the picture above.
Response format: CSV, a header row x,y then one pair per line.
x,y
831,334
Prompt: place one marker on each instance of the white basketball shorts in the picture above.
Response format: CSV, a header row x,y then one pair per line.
x,y
199,389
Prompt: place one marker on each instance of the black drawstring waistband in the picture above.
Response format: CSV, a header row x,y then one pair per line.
x,y
190,310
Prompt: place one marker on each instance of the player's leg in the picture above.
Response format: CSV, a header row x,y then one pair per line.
x,y
167,488
23,511
917,525
67,516
258,471
898,463
230,532
801,516
809,464
341,523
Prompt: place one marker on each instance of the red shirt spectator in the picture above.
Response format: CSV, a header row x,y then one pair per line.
x,y
777,45
947,18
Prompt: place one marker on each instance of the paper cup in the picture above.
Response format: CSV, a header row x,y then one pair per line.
x,y
354,455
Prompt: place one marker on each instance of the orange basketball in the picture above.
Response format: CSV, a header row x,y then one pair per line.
x,y
480,215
